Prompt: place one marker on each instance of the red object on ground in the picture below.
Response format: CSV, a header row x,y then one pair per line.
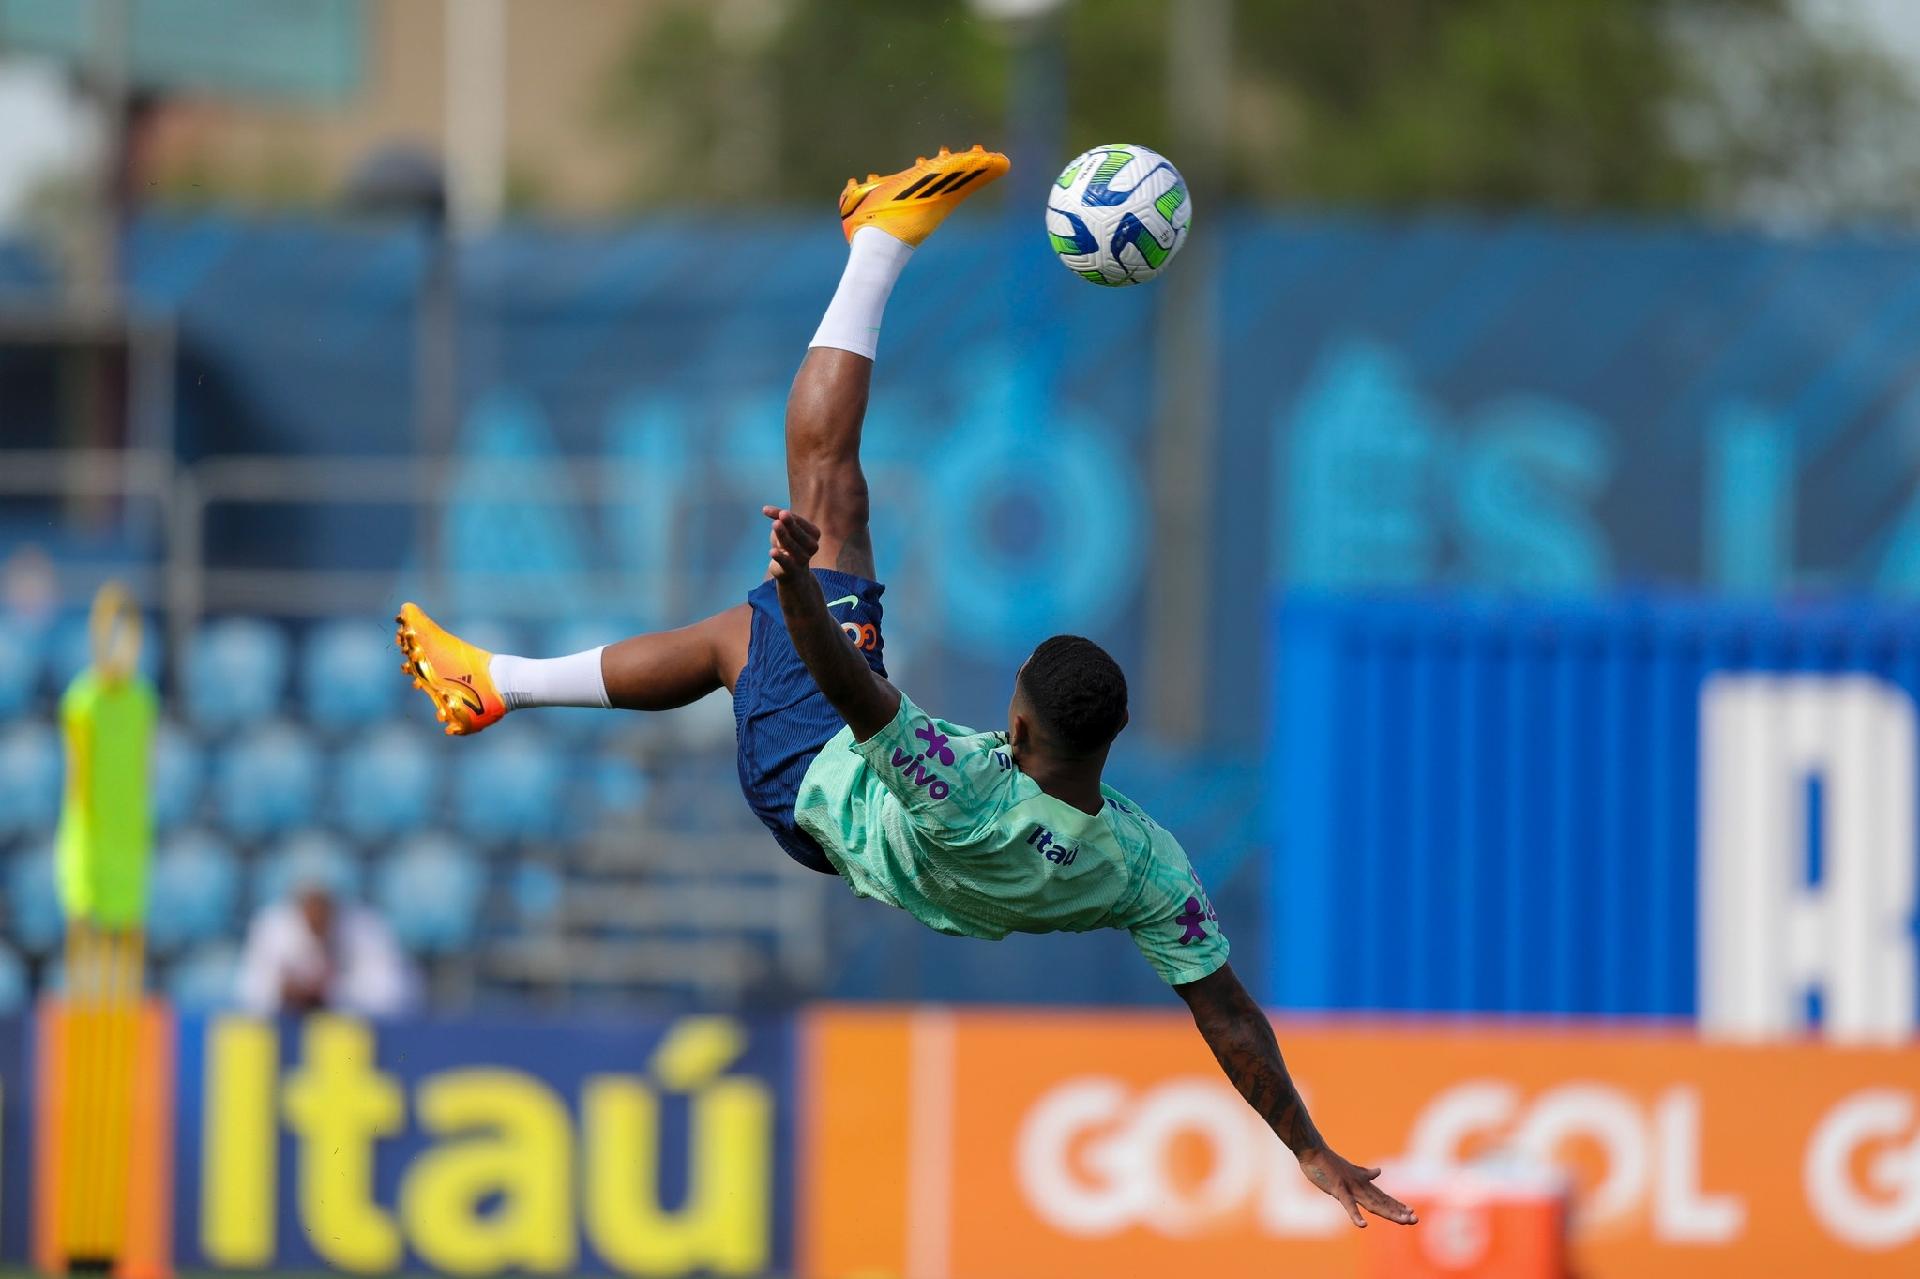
x,y
1475,1223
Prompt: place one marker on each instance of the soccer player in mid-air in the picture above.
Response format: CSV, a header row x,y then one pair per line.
x,y
976,834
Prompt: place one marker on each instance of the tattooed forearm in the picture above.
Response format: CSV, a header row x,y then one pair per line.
x,y
1242,1042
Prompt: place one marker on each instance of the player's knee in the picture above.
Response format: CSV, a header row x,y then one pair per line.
x,y
822,449
832,496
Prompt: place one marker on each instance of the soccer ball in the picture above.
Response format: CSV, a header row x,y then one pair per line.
x,y
1118,214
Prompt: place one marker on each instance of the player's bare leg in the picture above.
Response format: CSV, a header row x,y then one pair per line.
x,y
471,688
824,480
666,669
884,219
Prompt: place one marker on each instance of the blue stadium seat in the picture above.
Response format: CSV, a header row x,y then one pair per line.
x,y
236,670
13,983
194,887
266,781
509,784
179,774
310,856
350,673
575,634
19,668
29,778
585,724
705,725
388,781
494,636
537,890
203,980
34,918
618,784
430,892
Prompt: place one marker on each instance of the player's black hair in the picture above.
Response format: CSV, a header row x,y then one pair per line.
x,y
1078,692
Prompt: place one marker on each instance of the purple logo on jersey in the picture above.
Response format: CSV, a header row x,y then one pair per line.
x,y
936,741
917,772
1194,921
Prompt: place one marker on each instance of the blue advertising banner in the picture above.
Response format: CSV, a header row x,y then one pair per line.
x,y
659,1147
1524,404
1650,809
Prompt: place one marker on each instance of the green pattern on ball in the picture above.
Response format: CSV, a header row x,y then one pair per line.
x,y
1115,161
1097,278
1065,180
1150,248
1172,198
1063,244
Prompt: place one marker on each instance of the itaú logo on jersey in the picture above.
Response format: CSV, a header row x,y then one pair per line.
x,y
1095,1157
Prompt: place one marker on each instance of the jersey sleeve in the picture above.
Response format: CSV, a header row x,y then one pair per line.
x,y
1173,922
950,780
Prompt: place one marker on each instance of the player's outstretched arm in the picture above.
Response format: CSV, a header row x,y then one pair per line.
x,y
1242,1041
867,702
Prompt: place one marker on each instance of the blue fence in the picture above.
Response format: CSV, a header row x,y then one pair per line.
x,y
1587,809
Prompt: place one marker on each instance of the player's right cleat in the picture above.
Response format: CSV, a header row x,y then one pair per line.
x,y
909,204
451,672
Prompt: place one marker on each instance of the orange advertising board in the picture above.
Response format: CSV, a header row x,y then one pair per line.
x,y
1048,1145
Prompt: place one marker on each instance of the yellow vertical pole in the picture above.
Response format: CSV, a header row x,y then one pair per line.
x,y
123,1012
77,1126
105,978
93,1113
100,1105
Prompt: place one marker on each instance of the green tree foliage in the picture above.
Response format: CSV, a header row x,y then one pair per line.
x,y
1635,105
781,99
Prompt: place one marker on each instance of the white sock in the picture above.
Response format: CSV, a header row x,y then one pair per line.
x,y
574,680
852,321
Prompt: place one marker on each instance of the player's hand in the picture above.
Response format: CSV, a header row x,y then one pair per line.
x,y
1354,1187
791,541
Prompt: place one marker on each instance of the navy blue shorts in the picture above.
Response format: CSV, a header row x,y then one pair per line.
x,y
781,719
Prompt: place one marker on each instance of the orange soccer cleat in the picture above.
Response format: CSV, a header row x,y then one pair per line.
x,y
450,671
908,205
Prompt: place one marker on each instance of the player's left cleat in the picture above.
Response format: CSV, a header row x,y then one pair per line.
x,y
908,205
451,672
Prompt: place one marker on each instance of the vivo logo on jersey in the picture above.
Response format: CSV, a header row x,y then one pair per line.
x,y
1044,843
1807,856
918,773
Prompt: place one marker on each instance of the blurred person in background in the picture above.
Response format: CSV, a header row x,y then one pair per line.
x,y
107,720
29,587
314,952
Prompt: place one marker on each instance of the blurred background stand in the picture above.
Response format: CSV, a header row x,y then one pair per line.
x,y
407,185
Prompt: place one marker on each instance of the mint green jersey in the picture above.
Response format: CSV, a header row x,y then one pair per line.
x,y
937,820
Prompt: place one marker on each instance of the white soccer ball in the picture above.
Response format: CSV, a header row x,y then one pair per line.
x,y
1118,214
